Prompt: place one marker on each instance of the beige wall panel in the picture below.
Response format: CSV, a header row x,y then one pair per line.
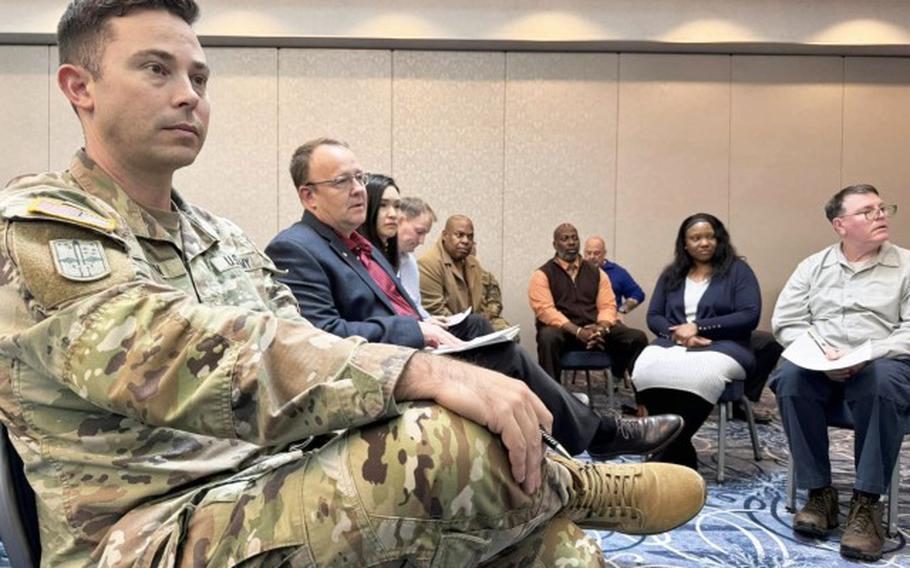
x,y
786,139
673,155
344,94
234,176
65,130
877,132
560,162
447,139
23,114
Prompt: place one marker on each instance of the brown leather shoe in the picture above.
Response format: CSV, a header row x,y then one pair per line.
x,y
819,515
632,498
863,535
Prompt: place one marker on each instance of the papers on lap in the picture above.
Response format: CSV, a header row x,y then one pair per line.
x,y
805,353
501,336
456,319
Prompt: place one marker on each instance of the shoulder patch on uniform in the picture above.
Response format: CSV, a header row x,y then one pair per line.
x,y
80,260
49,207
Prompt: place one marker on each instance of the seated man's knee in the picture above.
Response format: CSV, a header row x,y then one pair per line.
x,y
789,381
886,378
550,335
434,461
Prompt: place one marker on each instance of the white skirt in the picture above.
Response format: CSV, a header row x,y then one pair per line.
x,y
704,373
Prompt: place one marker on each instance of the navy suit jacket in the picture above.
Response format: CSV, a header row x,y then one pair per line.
x,y
334,289
726,314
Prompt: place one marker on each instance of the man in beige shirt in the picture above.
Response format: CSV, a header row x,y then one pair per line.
x,y
854,291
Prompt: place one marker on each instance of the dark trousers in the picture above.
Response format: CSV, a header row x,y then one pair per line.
x,y
694,410
623,344
767,352
878,398
574,424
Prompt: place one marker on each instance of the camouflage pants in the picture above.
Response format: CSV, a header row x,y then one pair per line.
x,y
428,488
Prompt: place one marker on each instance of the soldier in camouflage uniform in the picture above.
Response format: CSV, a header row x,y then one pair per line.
x,y
172,408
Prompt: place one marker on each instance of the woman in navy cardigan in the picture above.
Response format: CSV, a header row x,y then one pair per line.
x,y
703,310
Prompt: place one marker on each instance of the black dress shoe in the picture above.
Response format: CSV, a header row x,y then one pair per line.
x,y
637,436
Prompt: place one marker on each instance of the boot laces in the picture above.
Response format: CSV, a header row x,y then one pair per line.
x,y
817,504
861,518
606,494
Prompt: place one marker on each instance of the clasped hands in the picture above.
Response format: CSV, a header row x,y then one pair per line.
x,y
686,335
592,335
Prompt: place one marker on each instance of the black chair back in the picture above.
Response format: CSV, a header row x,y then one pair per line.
x,y
18,513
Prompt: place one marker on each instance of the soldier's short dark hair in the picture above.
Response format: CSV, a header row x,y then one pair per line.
x,y
83,30
300,161
835,206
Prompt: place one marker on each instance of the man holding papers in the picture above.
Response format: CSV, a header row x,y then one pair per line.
x,y
344,288
844,315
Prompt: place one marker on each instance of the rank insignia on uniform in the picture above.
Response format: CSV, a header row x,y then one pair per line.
x,y
79,260
72,213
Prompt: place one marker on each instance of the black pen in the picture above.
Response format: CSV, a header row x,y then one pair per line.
x,y
554,445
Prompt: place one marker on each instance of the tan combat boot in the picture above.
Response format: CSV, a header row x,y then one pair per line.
x,y
863,534
632,498
819,515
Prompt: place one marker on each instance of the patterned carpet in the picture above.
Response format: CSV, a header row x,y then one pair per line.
x,y
745,522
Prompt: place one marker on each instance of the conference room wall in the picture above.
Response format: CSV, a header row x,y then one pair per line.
x,y
624,145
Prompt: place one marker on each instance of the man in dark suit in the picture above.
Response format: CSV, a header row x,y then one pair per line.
x,y
343,288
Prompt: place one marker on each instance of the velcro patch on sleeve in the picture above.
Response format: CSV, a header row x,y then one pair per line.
x,y
60,262
66,211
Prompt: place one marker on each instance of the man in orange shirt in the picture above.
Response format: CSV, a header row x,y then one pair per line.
x,y
575,308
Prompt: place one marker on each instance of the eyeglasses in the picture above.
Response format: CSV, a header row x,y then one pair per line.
x,y
872,214
345,182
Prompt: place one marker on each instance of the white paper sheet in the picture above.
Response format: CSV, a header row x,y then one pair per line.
x,y
456,319
805,353
501,336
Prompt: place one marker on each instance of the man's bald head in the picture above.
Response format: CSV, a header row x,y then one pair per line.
x,y
595,250
458,236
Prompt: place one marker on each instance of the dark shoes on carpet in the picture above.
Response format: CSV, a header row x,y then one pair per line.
x,y
863,536
819,515
637,436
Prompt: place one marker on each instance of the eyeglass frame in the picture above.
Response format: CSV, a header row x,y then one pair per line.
x,y
348,180
882,210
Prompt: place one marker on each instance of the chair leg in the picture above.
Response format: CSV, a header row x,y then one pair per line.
x,y
609,380
590,392
756,445
721,440
894,497
791,486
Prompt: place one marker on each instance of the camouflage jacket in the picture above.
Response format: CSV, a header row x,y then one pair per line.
x,y
139,371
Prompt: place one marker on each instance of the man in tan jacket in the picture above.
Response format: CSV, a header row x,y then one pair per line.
x,y
452,279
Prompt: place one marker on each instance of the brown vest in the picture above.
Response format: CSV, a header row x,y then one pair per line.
x,y
576,300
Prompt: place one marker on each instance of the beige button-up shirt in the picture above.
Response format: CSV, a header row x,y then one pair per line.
x,y
847,303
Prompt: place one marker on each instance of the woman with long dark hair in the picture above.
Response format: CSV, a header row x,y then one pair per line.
x,y
703,310
381,224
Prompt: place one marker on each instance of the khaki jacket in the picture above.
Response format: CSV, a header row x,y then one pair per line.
x,y
445,291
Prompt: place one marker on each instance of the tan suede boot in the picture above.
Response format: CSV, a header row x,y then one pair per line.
x,y
863,534
819,514
633,498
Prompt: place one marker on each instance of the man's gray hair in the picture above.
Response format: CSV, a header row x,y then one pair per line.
x,y
412,207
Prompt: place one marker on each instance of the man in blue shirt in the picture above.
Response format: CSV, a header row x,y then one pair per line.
x,y
627,291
